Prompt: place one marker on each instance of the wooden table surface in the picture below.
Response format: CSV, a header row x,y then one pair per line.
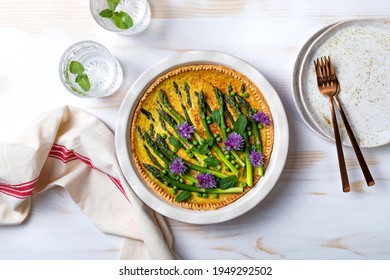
x,y
306,216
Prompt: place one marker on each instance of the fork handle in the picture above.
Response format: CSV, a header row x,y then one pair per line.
x,y
363,165
340,154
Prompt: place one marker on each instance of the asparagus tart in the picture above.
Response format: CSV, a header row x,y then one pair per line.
x,y
202,136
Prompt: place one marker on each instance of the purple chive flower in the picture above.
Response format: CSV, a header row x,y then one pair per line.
x,y
256,158
235,142
206,181
261,118
185,130
177,166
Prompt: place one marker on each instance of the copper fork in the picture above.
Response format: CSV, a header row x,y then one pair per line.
x,y
363,165
329,88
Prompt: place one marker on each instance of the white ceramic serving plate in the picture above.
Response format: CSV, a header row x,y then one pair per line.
x,y
360,53
295,84
250,199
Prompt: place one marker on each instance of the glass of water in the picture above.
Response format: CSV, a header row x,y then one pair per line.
x,y
88,69
126,17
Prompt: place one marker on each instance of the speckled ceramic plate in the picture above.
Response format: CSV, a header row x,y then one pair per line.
x,y
295,84
360,53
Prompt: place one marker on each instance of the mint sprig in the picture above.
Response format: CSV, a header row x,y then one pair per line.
x,y
82,79
121,19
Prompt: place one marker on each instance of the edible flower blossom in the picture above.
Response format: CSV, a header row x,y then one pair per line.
x,y
234,142
206,181
256,158
178,166
261,118
185,130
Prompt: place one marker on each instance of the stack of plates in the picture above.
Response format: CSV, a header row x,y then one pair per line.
x,y
360,53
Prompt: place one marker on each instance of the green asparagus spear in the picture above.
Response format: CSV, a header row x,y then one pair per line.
x,y
256,133
155,172
215,147
222,125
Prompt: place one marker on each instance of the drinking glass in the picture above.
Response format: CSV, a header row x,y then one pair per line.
x,y
113,16
88,62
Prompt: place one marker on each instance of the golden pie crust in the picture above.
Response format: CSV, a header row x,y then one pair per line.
x,y
200,77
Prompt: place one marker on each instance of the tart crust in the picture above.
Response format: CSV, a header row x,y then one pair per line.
x,y
200,77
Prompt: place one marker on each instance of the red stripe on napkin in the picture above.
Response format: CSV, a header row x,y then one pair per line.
x,y
21,191
64,154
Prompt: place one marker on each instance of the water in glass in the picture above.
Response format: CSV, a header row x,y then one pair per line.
x,y
102,69
138,10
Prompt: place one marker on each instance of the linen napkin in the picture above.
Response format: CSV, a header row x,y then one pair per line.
x,y
71,148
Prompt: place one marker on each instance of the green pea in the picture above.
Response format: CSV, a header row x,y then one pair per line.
x,y
174,149
232,93
237,166
215,135
181,180
199,194
243,184
227,156
227,169
215,195
163,136
164,172
254,111
166,183
209,121
260,126
173,191
205,195
194,142
245,95
249,133
233,162
209,118
188,152
191,155
219,139
228,130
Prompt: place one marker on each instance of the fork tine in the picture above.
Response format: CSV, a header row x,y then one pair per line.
x,y
325,69
332,71
319,72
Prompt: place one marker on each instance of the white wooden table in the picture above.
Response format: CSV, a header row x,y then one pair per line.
x,y
306,216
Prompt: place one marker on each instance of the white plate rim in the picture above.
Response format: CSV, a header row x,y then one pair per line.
x,y
250,199
327,34
295,83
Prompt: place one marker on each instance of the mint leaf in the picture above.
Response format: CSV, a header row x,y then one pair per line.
x,y
174,142
76,67
204,149
211,161
228,182
240,125
216,117
107,13
122,20
183,195
112,4
83,81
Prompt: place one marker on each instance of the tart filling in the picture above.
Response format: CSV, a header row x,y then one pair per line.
x,y
202,136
